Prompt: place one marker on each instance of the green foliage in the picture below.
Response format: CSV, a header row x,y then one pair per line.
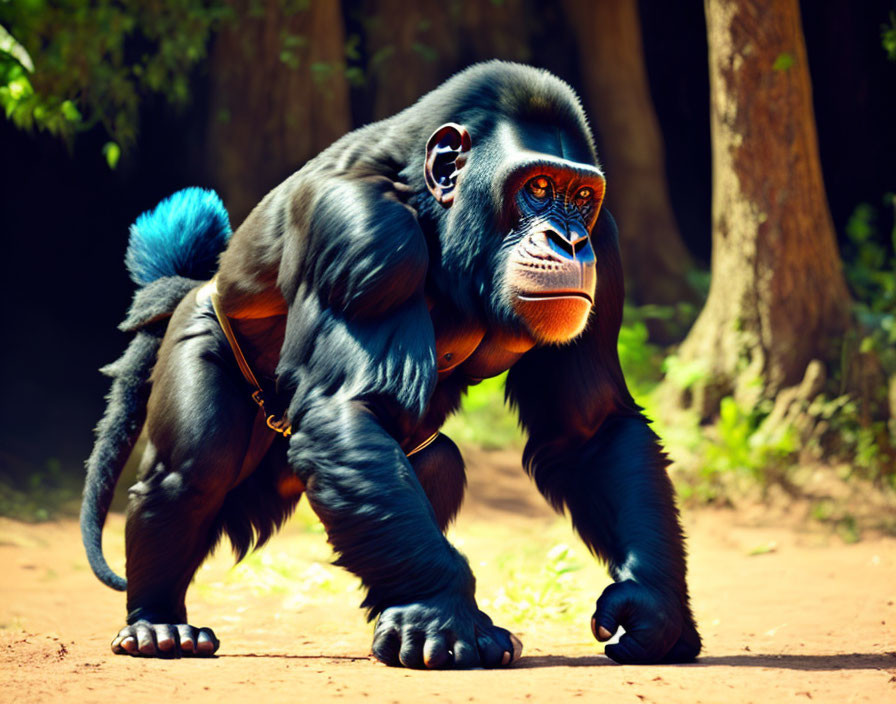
x,y
845,524
783,62
290,44
484,419
44,493
641,361
740,447
888,37
95,60
734,454
866,443
684,375
427,53
528,595
870,264
870,267
112,152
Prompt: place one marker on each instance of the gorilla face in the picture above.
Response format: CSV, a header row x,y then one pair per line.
x,y
544,273
550,277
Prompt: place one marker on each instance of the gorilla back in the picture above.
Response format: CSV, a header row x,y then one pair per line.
x,y
459,239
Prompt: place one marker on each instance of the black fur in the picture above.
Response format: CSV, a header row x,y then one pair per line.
x,y
116,434
346,284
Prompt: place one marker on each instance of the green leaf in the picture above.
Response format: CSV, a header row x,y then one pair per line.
x,y
783,62
763,549
289,59
353,47
20,88
295,41
427,52
112,152
9,45
860,227
321,71
355,76
867,345
69,111
888,37
380,56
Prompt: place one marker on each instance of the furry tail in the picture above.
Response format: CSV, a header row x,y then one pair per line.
x,y
182,236
169,249
115,437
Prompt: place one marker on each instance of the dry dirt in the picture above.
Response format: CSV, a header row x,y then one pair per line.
x,y
786,615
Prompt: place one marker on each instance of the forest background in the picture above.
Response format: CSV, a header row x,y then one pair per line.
x,y
750,151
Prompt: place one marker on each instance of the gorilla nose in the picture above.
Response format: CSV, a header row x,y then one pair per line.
x,y
566,245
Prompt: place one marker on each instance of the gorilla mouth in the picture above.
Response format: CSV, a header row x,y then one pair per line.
x,y
549,295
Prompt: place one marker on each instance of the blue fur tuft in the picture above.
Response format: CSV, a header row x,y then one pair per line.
x,y
182,236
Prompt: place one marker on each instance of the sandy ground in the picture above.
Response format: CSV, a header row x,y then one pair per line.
x,y
786,615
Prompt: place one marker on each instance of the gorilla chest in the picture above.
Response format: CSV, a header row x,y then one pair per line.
x,y
470,349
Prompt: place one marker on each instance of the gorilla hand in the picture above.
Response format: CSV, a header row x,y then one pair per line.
x,y
657,629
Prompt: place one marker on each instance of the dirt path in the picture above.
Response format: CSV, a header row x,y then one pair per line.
x,y
802,617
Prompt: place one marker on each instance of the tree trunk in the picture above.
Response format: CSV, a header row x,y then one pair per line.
x,y
408,40
778,298
278,95
414,46
654,258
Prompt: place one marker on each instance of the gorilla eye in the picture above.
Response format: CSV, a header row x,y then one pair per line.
x,y
539,187
583,196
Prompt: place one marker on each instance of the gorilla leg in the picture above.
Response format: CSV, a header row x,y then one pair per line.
x,y
199,423
383,528
440,469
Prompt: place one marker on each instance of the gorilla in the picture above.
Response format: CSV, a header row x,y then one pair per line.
x,y
319,349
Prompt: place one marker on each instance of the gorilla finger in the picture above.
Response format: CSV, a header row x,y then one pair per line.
x,y
145,639
508,642
386,644
206,642
628,651
125,643
411,653
129,643
600,632
492,653
117,647
435,652
610,611
186,637
166,639
465,655
517,646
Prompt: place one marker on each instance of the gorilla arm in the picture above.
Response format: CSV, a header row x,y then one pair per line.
x,y
591,451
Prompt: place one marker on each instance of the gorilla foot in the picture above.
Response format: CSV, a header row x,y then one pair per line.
x,y
164,640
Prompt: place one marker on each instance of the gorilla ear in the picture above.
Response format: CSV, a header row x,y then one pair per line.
x,y
445,157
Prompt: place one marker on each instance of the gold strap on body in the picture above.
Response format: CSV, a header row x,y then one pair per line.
x,y
423,445
279,425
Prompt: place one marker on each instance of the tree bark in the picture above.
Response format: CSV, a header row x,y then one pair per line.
x,y
778,298
278,95
655,260
413,46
